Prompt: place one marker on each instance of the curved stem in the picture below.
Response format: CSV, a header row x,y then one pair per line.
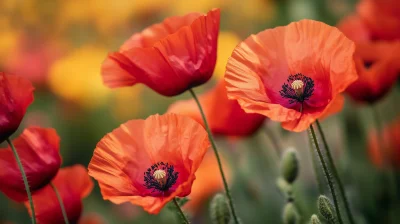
x,y
64,213
25,179
318,175
183,216
274,141
210,136
335,174
327,175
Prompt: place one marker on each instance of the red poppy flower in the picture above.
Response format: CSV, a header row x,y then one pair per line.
x,y
291,74
170,57
388,143
382,18
73,184
38,149
224,116
16,94
149,162
376,62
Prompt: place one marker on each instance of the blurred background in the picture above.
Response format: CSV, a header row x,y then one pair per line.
x,y
60,44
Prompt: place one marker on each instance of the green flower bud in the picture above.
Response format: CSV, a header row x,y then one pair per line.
x,y
290,214
289,165
283,185
326,209
315,220
219,210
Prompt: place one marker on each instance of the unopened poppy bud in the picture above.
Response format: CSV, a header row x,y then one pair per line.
x,y
315,220
284,186
290,214
326,209
219,210
289,166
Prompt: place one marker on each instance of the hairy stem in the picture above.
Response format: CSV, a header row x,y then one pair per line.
x,y
327,174
335,174
183,216
210,136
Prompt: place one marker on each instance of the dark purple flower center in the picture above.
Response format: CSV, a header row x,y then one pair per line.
x,y
160,177
297,88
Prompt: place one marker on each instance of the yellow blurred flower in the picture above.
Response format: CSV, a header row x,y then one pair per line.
x,y
227,41
181,7
8,42
76,77
253,10
105,14
127,102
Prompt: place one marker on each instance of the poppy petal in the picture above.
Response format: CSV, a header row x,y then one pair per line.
x,y
16,94
73,184
261,65
170,57
38,149
122,159
224,116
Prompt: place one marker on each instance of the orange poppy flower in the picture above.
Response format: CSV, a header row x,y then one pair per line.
x,y
224,116
149,162
16,94
389,143
382,18
170,57
208,182
38,149
376,62
73,184
291,74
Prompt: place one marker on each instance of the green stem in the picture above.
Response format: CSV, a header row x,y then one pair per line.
x,y
64,213
183,216
315,167
210,136
335,174
25,179
327,175
272,138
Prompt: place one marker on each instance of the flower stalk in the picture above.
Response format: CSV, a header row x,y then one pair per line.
x,y
335,174
210,136
326,174
64,213
25,179
183,216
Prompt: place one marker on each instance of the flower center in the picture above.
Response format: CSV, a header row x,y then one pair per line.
x,y
297,85
297,88
160,177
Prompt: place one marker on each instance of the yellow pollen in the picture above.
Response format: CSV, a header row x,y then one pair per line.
x,y
159,174
297,84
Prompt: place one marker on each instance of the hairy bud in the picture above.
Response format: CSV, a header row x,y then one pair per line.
x,y
219,210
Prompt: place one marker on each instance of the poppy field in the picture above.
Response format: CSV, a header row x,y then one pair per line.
x,y
208,111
